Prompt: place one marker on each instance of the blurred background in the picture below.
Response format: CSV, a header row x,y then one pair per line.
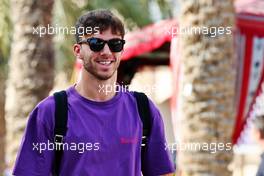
x,y
208,87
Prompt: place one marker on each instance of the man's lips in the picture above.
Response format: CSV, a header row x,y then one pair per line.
x,y
105,62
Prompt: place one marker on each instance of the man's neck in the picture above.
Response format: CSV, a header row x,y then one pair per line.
x,y
95,89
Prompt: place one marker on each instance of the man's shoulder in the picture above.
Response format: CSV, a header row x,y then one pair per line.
x,y
130,96
152,106
45,109
47,103
44,113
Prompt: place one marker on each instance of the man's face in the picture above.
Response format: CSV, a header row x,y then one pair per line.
x,y
102,64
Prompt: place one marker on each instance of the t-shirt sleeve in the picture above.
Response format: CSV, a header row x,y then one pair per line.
x,y
157,160
34,157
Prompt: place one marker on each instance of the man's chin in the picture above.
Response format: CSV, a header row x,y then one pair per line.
x,y
104,77
101,75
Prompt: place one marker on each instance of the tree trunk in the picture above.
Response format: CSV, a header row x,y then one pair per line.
x,y
208,88
31,68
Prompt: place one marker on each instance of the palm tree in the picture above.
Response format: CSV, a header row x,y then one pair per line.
x,y
5,31
31,67
208,87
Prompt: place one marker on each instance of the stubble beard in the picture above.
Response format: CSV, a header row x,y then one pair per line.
x,y
88,66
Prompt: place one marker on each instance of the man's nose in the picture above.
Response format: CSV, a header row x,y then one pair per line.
x,y
106,50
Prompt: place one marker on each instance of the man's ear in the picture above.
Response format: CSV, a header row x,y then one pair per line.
x,y
261,134
77,51
257,134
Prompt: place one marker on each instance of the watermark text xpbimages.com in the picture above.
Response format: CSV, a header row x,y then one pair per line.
x,y
80,147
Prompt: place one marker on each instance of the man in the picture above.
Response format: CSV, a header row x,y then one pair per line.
x,y
104,129
259,135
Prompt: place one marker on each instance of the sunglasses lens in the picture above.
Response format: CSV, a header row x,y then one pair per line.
x,y
96,44
116,45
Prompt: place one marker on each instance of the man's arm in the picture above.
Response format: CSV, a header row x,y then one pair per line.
x,y
157,159
34,158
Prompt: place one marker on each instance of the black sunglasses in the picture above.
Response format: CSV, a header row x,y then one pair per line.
x,y
97,44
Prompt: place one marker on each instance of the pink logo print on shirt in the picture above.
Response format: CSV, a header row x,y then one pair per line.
x,y
128,140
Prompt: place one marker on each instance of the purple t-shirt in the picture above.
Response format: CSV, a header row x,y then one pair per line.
x,y
103,138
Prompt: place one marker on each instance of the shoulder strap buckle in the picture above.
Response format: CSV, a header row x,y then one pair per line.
x,y
58,139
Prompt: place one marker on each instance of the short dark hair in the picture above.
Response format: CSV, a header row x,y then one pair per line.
x,y
102,19
258,122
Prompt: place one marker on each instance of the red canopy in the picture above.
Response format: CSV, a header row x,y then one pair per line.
x,y
148,39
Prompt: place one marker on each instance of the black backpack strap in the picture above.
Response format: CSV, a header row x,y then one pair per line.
x,y
61,118
144,112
